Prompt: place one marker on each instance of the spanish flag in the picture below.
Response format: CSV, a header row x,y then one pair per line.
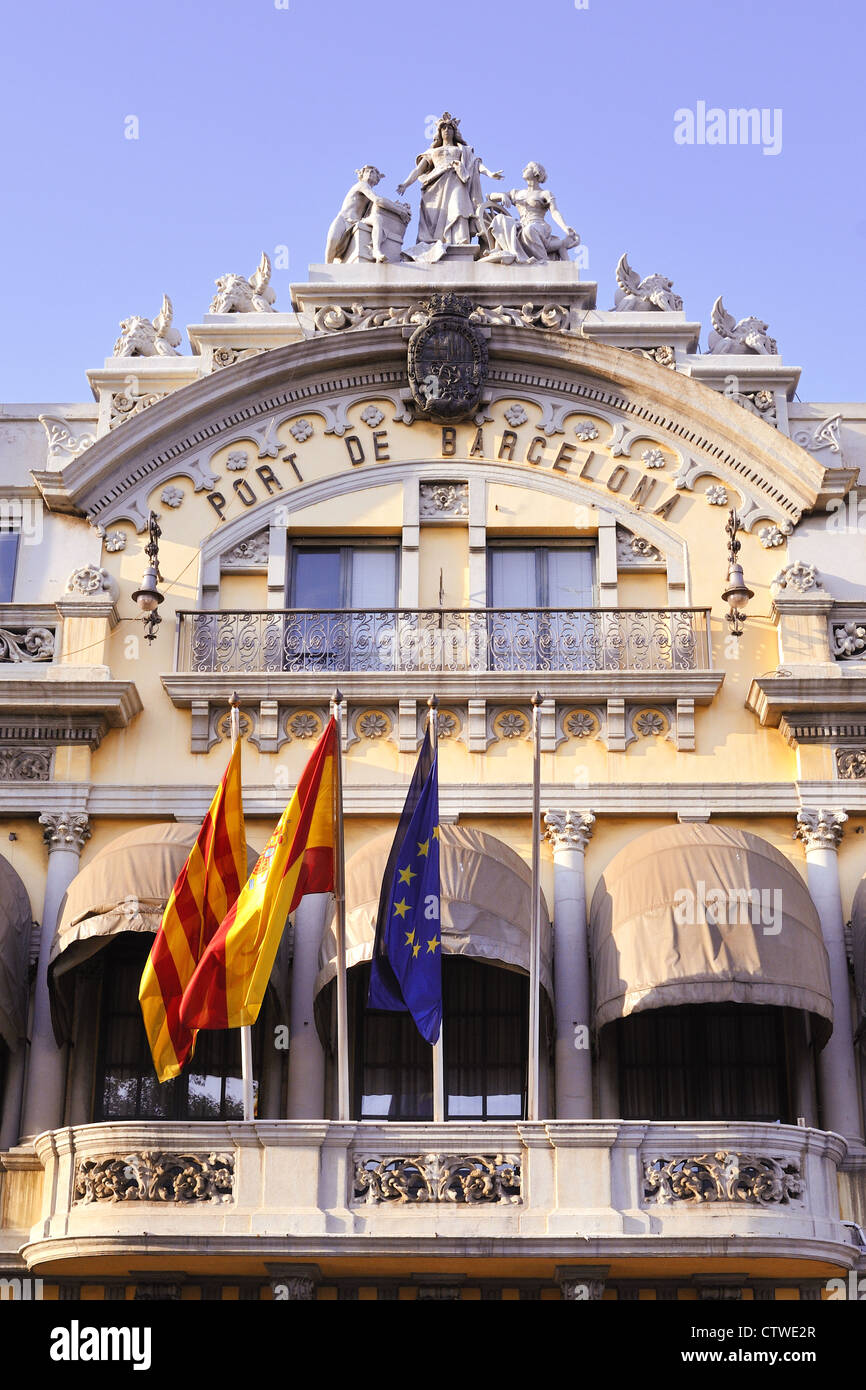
x,y
229,983
207,887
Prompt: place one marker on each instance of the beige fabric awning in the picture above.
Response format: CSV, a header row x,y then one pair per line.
x,y
696,914
858,923
485,903
124,888
16,925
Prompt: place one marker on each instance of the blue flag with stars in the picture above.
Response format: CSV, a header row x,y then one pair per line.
x,y
406,972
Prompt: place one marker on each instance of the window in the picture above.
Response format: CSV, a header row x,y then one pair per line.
x,y
543,576
525,579
209,1088
704,1062
485,1033
344,576
10,536
324,582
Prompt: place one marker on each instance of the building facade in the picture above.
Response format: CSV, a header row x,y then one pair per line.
x,y
444,471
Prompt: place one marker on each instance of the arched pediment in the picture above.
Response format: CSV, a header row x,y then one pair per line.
x,y
559,375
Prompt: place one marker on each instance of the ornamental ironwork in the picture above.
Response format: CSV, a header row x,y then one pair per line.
x,y
447,360
437,1178
723,1177
155,1177
469,640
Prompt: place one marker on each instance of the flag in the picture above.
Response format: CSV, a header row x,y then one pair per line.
x,y
406,972
229,983
207,887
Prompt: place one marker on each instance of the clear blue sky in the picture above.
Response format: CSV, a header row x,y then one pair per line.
x,y
252,119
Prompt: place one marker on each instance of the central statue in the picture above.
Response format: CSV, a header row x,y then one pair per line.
x,y
449,175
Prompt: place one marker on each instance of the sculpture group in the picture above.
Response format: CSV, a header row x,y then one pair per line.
x,y
458,220
503,228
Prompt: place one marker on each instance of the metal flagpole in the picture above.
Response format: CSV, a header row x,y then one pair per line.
x,y
438,1046
247,1032
340,902
532,1098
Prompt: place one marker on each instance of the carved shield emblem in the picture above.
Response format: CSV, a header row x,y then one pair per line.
x,y
447,360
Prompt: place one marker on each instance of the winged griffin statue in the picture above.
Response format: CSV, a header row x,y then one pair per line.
x,y
643,296
145,338
236,295
749,335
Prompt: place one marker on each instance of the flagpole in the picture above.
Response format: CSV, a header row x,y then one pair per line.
x,y
532,1098
439,1045
340,920
246,1033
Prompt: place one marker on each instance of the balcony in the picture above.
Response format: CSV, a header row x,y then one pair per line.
x,y
282,659
465,641
608,1190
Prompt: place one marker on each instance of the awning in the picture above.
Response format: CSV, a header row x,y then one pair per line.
x,y
485,903
124,888
858,924
697,914
16,925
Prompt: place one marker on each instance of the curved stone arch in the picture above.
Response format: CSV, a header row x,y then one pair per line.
x,y
107,480
225,537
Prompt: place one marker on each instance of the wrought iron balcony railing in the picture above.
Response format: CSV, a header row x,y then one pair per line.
x,y
451,641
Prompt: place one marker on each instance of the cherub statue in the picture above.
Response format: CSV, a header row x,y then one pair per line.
x,y
368,227
143,338
235,295
749,335
642,296
532,239
449,174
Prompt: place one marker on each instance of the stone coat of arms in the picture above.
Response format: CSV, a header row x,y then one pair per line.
x,y
447,360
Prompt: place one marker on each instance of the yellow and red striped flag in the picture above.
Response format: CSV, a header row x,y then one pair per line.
x,y
207,887
230,980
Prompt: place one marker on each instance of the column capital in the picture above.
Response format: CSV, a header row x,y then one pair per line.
x,y
568,829
65,830
820,827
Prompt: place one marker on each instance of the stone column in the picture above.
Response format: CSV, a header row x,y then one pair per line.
x,y
66,834
821,831
569,833
306,1055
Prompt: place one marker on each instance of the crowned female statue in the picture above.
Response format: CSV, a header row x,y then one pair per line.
x,y
449,175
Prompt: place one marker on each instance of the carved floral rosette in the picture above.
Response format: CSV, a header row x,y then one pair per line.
x,y
723,1177
437,1178
151,1176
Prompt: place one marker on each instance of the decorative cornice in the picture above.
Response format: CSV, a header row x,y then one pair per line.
x,y
183,688
811,697
820,828
65,830
629,800
568,829
786,478
114,702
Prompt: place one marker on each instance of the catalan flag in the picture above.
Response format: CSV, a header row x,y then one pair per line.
x,y
406,971
228,986
207,887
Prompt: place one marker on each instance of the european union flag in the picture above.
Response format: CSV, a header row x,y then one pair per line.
x,y
406,972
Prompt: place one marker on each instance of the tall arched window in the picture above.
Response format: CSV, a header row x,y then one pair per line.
x,y
485,1037
209,1088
